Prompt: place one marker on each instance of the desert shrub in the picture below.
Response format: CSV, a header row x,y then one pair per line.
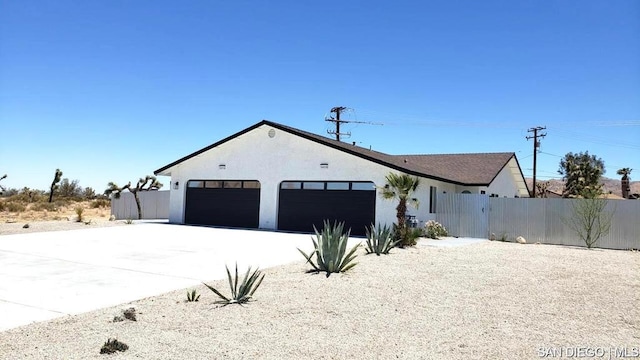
x,y
113,345
100,203
13,206
434,230
44,206
379,240
130,314
242,294
406,236
330,249
79,212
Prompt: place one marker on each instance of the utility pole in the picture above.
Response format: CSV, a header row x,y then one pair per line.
x,y
536,145
337,110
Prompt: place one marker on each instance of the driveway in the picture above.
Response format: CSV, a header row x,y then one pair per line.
x,y
51,274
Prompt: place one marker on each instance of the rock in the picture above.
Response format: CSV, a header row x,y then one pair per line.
x,y
25,226
112,217
521,240
492,237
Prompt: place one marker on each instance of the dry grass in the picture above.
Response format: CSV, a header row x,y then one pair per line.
x,y
485,301
57,211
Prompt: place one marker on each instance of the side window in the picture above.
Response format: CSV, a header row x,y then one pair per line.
x,y
432,199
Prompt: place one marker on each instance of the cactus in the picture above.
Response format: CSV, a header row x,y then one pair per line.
x,y
147,183
54,185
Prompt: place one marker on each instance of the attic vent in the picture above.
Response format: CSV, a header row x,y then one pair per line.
x,y
272,133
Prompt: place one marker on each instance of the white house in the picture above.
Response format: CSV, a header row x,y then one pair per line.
x,y
272,176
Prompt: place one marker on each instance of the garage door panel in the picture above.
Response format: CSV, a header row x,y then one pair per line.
x,y
232,207
300,210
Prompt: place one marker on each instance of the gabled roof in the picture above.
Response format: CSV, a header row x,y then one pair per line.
x,y
478,169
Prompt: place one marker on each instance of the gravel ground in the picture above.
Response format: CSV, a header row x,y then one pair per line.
x,y
58,225
490,300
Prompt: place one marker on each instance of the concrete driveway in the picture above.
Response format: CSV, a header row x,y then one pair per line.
x,y
52,274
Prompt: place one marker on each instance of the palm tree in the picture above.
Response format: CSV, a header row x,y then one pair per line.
x,y
401,187
625,181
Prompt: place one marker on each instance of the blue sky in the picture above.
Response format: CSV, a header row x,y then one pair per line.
x,y
113,90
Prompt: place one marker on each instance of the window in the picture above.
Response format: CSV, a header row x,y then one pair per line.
x,y
195,184
337,186
213,184
291,185
233,184
251,184
432,199
363,186
313,185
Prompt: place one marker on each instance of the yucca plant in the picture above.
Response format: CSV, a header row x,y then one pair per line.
x,y
380,240
330,249
193,296
242,294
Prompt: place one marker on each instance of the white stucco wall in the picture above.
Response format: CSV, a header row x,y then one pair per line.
x,y
504,184
256,156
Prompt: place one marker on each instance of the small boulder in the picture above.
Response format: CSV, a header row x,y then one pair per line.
x,y
492,237
112,217
25,226
521,240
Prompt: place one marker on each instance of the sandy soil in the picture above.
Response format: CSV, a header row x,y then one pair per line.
x,y
62,218
491,300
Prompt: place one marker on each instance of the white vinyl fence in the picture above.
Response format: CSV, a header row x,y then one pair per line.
x,y
537,220
154,205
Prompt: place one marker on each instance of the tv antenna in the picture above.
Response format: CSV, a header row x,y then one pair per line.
x,y
338,110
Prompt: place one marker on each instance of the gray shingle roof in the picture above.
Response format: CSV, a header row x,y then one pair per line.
x,y
477,169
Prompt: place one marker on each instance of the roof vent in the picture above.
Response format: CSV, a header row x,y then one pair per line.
x,y
405,161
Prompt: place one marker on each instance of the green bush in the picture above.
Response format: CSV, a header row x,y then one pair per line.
x,y
406,236
434,230
379,240
330,249
242,294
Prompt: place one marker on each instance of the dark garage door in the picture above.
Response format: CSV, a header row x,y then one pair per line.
x,y
304,204
223,203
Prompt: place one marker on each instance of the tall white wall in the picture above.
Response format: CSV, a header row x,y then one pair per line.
x,y
504,184
256,156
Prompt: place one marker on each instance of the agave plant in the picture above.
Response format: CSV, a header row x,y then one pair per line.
x,y
330,249
242,294
193,296
380,240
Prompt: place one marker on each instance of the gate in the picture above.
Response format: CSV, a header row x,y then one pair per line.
x,y
464,215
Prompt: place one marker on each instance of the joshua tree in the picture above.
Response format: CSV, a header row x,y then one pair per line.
x,y
400,187
54,185
542,188
2,188
582,174
144,184
625,181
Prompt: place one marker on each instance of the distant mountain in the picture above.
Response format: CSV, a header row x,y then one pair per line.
x,y
611,186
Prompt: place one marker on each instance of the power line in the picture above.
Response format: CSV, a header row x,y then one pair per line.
x,y
339,110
